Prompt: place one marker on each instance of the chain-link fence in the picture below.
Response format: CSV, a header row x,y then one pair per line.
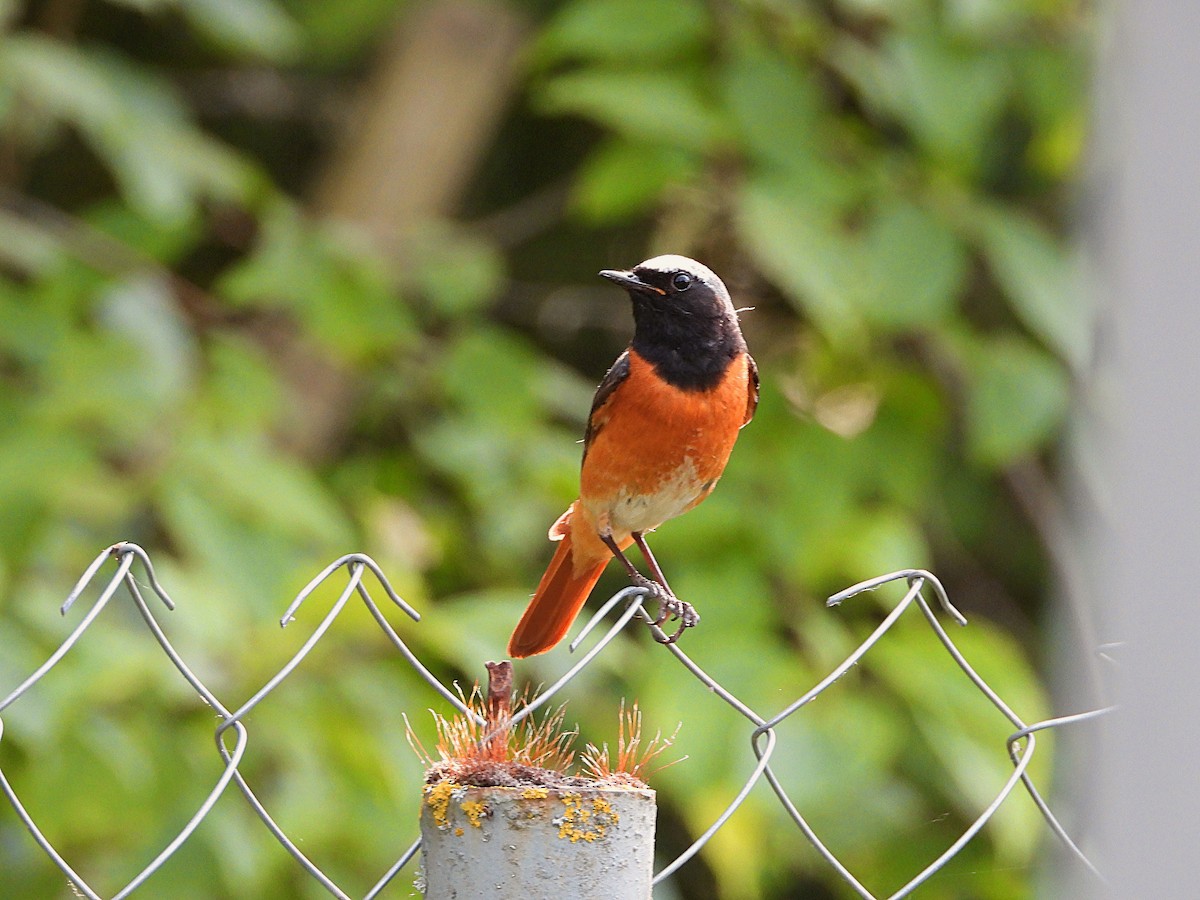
x,y
232,736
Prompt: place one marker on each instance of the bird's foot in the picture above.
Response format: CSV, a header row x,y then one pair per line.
x,y
669,607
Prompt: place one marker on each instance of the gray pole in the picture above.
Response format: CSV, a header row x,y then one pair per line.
x,y
529,843
1150,224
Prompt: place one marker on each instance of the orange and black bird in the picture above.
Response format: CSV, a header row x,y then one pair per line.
x,y
662,426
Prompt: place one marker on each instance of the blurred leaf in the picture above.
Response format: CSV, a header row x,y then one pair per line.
x,y
826,763
250,27
24,246
341,33
70,83
1051,82
457,273
340,292
242,392
134,121
164,242
470,627
623,178
883,540
805,252
776,106
100,385
265,489
31,329
988,19
491,375
918,263
951,95
623,30
1018,396
904,448
143,308
1036,275
948,95
27,465
650,106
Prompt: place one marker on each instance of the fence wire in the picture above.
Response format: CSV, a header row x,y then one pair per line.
x,y
231,734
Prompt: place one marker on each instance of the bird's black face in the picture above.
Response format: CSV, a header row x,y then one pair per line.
x,y
684,321
674,284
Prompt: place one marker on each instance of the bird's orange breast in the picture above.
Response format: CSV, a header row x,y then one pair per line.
x,y
657,450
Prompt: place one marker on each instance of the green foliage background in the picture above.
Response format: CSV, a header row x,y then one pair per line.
x,y
196,357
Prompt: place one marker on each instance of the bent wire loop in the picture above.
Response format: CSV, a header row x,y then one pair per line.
x,y
761,730
126,554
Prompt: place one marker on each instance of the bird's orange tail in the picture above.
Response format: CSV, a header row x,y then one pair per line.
x,y
559,597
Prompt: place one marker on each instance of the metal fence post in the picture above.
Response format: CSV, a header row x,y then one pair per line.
x,y
526,843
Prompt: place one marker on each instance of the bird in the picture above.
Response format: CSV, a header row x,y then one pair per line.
x,y
662,425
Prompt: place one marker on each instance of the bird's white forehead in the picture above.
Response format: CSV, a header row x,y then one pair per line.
x,y
671,262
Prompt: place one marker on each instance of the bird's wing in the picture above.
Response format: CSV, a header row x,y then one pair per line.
x,y
616,374
752,389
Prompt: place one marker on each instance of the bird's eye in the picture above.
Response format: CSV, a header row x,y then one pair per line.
x,y
681,281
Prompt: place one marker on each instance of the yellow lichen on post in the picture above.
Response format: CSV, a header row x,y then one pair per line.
x,y
475,810
536,840
437,798
581,823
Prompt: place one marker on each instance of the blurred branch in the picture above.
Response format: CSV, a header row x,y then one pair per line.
x,y
426,117
265,94
92,247
529,216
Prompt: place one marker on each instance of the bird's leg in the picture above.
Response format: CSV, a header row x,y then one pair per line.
x,y
640,540
658,591
670,605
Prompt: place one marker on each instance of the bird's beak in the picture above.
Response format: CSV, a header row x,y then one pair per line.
x,y
629,281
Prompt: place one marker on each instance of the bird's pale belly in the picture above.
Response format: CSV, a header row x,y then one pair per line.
x,y
636,509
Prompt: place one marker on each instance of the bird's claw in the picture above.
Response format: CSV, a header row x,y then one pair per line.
x,y
669,607
654,591
674,608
